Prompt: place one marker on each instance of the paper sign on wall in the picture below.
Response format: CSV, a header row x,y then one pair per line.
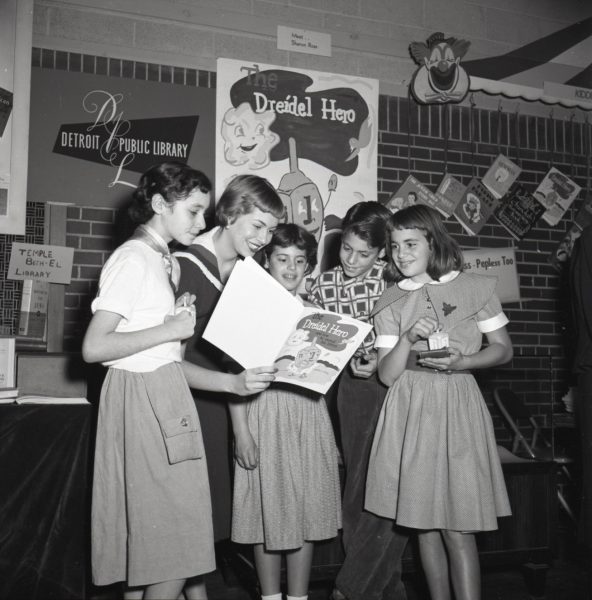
x,y
498,262
41,262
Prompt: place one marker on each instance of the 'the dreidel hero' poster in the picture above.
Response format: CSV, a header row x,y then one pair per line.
x,y
313,135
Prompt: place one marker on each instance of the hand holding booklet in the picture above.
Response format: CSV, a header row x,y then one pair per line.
x,y
258,322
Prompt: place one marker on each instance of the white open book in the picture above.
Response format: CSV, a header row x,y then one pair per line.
x,y
258,322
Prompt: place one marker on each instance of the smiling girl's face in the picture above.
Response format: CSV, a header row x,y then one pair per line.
x,y
411,251
252,231
288,266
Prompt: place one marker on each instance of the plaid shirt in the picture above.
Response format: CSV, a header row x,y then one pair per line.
x,y
355,298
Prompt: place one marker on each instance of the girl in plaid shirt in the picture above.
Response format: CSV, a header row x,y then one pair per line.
x,y
372,567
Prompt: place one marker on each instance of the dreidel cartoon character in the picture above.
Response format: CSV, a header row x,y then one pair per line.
x,y
305,360
301,197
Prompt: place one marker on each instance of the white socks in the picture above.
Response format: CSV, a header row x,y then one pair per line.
x,y
297,597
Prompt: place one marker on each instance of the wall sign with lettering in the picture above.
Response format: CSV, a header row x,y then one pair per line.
x,y
313,135
92,136
41,262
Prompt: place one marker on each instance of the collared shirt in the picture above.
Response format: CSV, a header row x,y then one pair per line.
x,y
354,297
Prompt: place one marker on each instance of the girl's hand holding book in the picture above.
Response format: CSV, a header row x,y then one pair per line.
x,y
452,362
253,381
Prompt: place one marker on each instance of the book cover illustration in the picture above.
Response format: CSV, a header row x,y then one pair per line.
x,y
33,315
257,322
448,195
519,211
320,346
411,192
475,207
556,192
6,97
501,175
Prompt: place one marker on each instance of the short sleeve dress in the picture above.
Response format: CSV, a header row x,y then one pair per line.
x,y
434,462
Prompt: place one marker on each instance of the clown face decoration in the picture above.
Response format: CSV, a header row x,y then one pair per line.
x,y
440,78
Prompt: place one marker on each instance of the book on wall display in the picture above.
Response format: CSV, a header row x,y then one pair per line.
x,y
257,322
475,207
519,211
7,362
500,176
556,192
33,314
411,192
449,194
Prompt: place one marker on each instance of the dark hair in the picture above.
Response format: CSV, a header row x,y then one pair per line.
x,y
445,255
290,234
172,180
368,221
243,194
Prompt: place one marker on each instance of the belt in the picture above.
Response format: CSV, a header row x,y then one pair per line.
x,y
413,365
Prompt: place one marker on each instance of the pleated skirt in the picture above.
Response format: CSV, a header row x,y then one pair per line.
x,y
434,462
293,495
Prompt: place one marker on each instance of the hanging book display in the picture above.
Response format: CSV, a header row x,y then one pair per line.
x,y
448,195
556,192
411,192
475,207
518,211
501,175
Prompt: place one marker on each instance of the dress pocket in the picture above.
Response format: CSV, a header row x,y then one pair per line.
x,y
182,438
175,411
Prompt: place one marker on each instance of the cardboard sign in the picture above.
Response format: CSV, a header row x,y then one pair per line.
x,y
41,262
500,262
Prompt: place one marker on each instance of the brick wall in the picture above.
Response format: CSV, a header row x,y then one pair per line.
x,y
412,139
425,141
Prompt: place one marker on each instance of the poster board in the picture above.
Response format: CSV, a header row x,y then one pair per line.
x,y
16,33
313,135
92,136
498,262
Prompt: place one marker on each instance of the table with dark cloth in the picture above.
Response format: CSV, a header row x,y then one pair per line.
x,y
44,500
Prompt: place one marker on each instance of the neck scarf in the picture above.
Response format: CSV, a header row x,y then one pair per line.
x,y
146,234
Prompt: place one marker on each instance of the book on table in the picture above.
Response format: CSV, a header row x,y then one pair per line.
x,y
257,322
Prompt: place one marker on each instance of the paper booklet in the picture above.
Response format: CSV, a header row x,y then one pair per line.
x,y
475,207
448,195
519,211
257,322
500,176
556,192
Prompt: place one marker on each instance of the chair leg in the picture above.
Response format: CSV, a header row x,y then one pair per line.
x,y
566,506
